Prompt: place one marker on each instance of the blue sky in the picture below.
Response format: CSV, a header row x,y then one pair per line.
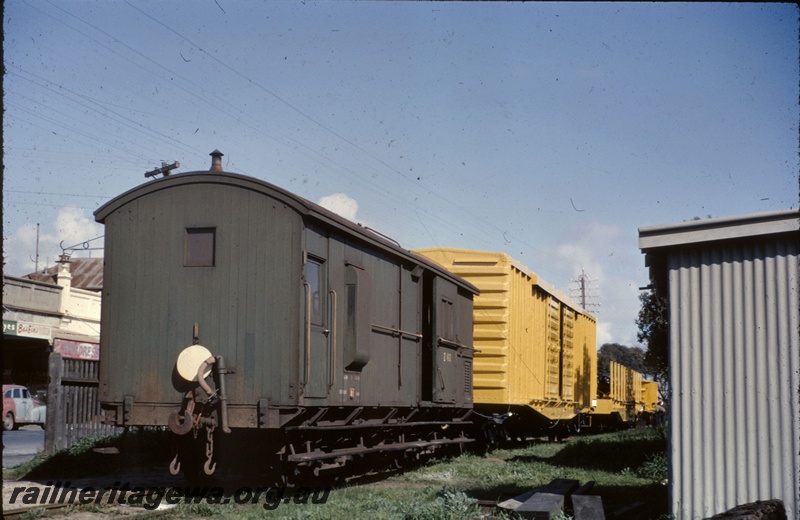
x,y
549,131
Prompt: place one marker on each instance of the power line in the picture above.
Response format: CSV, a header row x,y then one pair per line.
x,y
301,148
58,194
51,205
459,207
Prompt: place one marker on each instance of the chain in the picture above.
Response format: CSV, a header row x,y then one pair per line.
x,y
209,468
209,442
196,418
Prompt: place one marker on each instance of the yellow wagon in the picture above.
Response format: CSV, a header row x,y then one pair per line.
x,y
536,350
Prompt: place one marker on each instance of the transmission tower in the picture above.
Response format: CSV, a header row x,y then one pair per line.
x,y
585,290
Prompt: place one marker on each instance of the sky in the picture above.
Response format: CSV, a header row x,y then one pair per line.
x,y
548,131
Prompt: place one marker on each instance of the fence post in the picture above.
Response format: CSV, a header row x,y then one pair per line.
x,y
54,429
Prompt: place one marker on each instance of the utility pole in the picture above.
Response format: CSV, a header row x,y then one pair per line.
x,y
586,291
35,260
37,248
164,170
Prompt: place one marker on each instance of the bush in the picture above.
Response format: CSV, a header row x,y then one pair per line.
x,y
655,468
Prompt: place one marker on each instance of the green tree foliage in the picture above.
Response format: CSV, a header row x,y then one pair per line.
x,y
631,357
654,332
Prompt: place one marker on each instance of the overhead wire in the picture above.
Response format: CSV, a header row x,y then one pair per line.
x,y
459,207
102,110
303,149
64,126
59,194
196,86
105,113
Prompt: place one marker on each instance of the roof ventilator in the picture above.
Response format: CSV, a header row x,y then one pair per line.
x,y
216,161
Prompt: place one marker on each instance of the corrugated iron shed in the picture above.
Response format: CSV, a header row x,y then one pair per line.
x,y
733,286
87,273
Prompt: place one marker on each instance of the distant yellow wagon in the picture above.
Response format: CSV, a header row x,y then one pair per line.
x,y
623,398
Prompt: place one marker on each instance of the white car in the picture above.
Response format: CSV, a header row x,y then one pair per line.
x,y
21,408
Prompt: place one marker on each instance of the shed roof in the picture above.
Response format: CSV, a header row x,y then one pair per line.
x,y
716,229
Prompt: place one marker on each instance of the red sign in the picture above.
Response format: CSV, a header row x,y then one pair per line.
x,y
77,350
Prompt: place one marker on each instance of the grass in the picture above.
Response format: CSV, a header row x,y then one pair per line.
x,y
627,467
426,503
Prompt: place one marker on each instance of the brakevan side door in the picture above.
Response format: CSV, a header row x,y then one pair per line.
x,y
316,320
445,342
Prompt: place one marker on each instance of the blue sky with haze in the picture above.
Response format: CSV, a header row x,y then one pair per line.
x,y
549,131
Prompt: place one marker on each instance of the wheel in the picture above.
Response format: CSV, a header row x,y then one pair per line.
x,y
8,422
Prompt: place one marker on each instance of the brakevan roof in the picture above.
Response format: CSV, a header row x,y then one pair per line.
x,y
299,204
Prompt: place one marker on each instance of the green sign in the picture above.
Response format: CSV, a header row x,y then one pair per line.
x,y
10,328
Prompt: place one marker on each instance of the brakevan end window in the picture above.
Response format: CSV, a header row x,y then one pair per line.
x,y
199,245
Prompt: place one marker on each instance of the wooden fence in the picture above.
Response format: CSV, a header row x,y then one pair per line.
x,y
73,404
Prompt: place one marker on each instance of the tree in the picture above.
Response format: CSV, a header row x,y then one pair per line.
x,y
653,332
631,357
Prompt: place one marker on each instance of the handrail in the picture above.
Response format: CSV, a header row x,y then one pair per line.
x,y
332,370
397,331
449,343
308,332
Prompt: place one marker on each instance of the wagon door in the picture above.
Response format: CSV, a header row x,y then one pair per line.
x,y
316,320
446,373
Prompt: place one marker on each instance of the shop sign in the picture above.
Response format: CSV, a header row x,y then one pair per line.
x,y
9,328
77,349
33,330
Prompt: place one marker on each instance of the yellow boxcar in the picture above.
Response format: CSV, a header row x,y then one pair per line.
x,y
536,351
650,396
628,398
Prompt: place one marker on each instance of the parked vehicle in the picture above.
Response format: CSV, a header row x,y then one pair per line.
x,y
21,408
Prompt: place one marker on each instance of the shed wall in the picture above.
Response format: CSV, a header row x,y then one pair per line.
x,y
735,374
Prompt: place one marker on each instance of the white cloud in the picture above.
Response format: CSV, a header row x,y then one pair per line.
x,y
71,226
612,261
340,204
604,333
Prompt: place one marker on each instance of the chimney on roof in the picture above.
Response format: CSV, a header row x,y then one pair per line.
x,y
63,275
64,280
64,261
216,161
